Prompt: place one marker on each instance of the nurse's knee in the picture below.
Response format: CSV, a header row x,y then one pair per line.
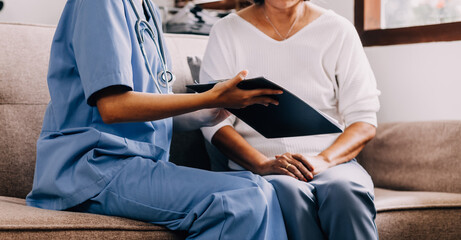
x,y
283,182
249,203
253,178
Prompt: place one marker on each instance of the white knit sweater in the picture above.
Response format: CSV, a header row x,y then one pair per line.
x,y
324,64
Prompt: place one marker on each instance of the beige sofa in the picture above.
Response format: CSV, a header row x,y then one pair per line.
x,y
416,166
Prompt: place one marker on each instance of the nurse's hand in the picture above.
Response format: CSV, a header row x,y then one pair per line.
x,y
200,118
226,94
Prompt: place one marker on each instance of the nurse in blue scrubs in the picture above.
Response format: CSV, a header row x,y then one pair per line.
x,y
106,134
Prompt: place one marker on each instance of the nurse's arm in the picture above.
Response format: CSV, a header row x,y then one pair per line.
x,y
116,104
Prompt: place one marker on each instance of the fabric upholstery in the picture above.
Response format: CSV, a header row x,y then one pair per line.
x,y
187,148
20,126
180,47
422,224
23,98
417,215
89,234
417,156
24,63
389,200
18,220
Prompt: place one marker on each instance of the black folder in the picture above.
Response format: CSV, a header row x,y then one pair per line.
x,y
292,117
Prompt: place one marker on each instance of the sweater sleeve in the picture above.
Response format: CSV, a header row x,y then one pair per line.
x,y
217,65
357,94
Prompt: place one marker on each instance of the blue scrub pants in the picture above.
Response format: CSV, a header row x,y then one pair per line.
x,y
336,204
208,205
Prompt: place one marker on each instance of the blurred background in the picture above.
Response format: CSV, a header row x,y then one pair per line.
x,y
179,16
418,82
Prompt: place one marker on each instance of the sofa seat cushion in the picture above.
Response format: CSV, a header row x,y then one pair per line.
x,y
20,221
417,215
390,200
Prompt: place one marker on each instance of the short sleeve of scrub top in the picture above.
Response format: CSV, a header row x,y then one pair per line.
x,y
94,47
102,46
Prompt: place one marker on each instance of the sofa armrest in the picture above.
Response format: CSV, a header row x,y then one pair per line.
x,y
421,156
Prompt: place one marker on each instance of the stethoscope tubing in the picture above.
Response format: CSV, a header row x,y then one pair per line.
x,y
142,26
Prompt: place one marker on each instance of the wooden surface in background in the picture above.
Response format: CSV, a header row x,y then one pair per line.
x,y
406,35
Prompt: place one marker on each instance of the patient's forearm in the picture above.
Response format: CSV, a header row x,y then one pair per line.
x,y
346,147
349,144
236,148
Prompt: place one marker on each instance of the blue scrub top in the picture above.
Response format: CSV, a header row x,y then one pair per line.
x,y
94,47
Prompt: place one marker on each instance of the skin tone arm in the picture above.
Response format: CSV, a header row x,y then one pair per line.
x,y
119,105
346,147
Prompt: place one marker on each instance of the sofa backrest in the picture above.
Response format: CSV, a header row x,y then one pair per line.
x,y
422,156
24,56
187,148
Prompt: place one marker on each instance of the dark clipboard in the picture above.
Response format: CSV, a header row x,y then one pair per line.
x,y
291,118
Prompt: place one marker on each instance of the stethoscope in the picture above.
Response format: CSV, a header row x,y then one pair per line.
x,y
166,76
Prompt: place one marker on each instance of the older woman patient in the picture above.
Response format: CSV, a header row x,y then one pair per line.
x,y
317,55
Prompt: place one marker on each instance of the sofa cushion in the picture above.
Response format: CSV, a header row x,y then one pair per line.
x,y
17,147
417,215
180,46
24,63
23,99
389,200
18,220
419,156
425,224
187,148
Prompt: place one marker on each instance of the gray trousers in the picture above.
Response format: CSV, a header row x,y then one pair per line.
x,y
336,204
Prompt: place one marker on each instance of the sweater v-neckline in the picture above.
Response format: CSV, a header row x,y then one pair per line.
x,y
258,31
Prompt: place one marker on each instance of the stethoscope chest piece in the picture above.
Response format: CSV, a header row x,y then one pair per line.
x,y
166,78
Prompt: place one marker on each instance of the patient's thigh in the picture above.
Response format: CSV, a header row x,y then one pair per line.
x,y
289,186
299,207
349,174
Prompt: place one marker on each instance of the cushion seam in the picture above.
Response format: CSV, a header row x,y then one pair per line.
x,y
83,228
417,208
33,104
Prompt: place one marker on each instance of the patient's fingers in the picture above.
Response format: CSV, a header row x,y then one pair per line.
x,y
288,163
286,172
293,169
304,171
302,159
